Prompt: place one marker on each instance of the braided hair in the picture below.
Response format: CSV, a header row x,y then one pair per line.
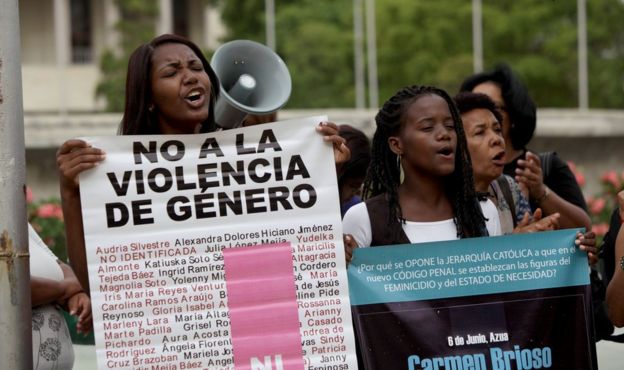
x,y
383,174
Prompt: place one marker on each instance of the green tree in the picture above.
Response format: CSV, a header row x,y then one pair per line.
x,y
424,43
136,26
538,39
315,40
606,53
244,19
318,49
430,42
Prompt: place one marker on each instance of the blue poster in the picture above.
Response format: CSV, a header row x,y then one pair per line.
x,y
502,303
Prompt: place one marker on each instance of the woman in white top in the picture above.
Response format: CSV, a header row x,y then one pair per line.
x,y
53,285
419,132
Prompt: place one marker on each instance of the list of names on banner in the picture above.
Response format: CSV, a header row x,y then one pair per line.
x,y
319,295
158,283
172,295
164,302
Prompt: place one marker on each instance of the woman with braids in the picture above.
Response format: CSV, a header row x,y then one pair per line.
x,y
419,133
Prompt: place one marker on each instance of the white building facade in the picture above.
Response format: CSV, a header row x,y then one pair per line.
x,y
62,42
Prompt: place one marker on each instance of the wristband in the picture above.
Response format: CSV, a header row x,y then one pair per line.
x,y
622,263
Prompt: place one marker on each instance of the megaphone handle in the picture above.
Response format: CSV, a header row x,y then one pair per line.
x,y
243,87
227,116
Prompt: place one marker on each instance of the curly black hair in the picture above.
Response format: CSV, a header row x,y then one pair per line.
x,y
468,101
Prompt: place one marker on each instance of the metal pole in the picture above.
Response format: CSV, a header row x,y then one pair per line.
x,y
371,39
62,45
269,10
582,55
112,39
165,17
359,54
477,36
15,309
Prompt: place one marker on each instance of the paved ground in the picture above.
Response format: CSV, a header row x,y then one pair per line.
x,y
610,356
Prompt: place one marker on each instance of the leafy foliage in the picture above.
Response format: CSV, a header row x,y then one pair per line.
x,y
606,53
430,42
424,43
317,46
245,19
136,26
418,41
318,50
539,40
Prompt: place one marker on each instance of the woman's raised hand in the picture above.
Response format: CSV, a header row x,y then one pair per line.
x,y
587,243
329,130
538,223
529,175
74,157
350,245
79,305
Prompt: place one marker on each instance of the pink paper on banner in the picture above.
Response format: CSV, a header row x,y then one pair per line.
x,y
262,301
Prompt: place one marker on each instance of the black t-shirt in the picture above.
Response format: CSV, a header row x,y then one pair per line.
x,y
559,179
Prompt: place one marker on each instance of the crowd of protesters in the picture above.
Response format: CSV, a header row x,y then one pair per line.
x,y
438,168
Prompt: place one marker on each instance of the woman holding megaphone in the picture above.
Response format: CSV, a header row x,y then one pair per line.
x,y
171,89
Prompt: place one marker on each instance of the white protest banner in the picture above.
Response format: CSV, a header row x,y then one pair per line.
x,y
218,251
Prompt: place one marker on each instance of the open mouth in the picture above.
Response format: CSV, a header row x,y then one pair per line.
x,y
194,96
498,159
446,151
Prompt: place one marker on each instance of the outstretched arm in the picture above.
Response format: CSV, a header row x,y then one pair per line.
x,y
74,157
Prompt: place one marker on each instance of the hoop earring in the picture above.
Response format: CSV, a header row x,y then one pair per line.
x,y
400,167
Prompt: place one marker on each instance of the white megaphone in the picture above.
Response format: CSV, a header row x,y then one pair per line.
x,y
254,80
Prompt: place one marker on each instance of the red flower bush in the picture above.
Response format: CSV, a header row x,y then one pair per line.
x,y
580,178
50,210
612,179
601,205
